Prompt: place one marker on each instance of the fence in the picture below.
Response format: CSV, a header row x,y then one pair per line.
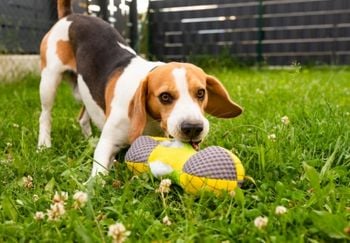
x,y
121,14
23,23
276,31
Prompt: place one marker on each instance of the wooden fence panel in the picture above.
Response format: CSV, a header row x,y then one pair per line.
x,y
204,27
284,31
23,23
22,26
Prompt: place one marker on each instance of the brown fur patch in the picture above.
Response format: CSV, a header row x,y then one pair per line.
x,y
63,8
160,81
43,49
219,101
196,80
109,92
137,111
65,54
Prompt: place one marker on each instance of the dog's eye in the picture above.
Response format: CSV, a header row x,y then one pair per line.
x,y
201,94
165,98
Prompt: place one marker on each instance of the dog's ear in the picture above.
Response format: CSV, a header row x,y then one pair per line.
x,y
219,102
137,111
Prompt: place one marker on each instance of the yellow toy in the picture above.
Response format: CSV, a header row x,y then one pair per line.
x,y
212,169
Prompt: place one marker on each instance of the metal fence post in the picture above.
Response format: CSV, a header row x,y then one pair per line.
x,y
260,25
103,9
134,25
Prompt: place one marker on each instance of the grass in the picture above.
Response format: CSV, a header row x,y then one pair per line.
x,y
305,169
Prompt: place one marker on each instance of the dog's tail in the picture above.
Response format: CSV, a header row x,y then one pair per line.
x,y
63,8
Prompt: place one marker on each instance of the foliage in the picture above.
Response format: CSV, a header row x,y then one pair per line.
x,y
303,167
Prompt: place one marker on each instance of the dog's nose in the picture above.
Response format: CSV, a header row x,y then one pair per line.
x,y
191,130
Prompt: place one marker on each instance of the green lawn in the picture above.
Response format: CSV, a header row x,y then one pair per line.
x,y
304,166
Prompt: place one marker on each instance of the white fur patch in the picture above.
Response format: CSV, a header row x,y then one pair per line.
x,y
94,110
129,49
159,168
185,109
172,144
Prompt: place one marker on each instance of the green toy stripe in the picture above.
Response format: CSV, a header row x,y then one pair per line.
x,y
213,162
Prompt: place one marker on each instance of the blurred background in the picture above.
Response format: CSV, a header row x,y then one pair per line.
x,y
271,32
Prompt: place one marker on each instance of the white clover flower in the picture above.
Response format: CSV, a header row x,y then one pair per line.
x,y
35,197
285,120
164,186
27,181
166,220
272,137
280,210
232,193
80,199
15,125
261,222
118,232
39,216
56,211
60,197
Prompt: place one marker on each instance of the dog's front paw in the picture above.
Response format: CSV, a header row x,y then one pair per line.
x,y
96,178
98,169
42,146
44,142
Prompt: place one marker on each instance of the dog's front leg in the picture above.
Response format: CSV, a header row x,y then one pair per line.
x,y
103,157
113,138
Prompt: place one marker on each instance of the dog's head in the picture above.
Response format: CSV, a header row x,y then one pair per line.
x,y
178,95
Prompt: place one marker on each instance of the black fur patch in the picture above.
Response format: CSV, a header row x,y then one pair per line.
x,y
98,55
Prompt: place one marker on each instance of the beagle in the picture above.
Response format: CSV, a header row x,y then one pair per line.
x,y
123,94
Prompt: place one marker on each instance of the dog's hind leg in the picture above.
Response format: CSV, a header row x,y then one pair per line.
x,y
50,79
83,118
84,121
56,58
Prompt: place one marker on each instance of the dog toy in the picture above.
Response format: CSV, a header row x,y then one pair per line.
x,y
212,169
